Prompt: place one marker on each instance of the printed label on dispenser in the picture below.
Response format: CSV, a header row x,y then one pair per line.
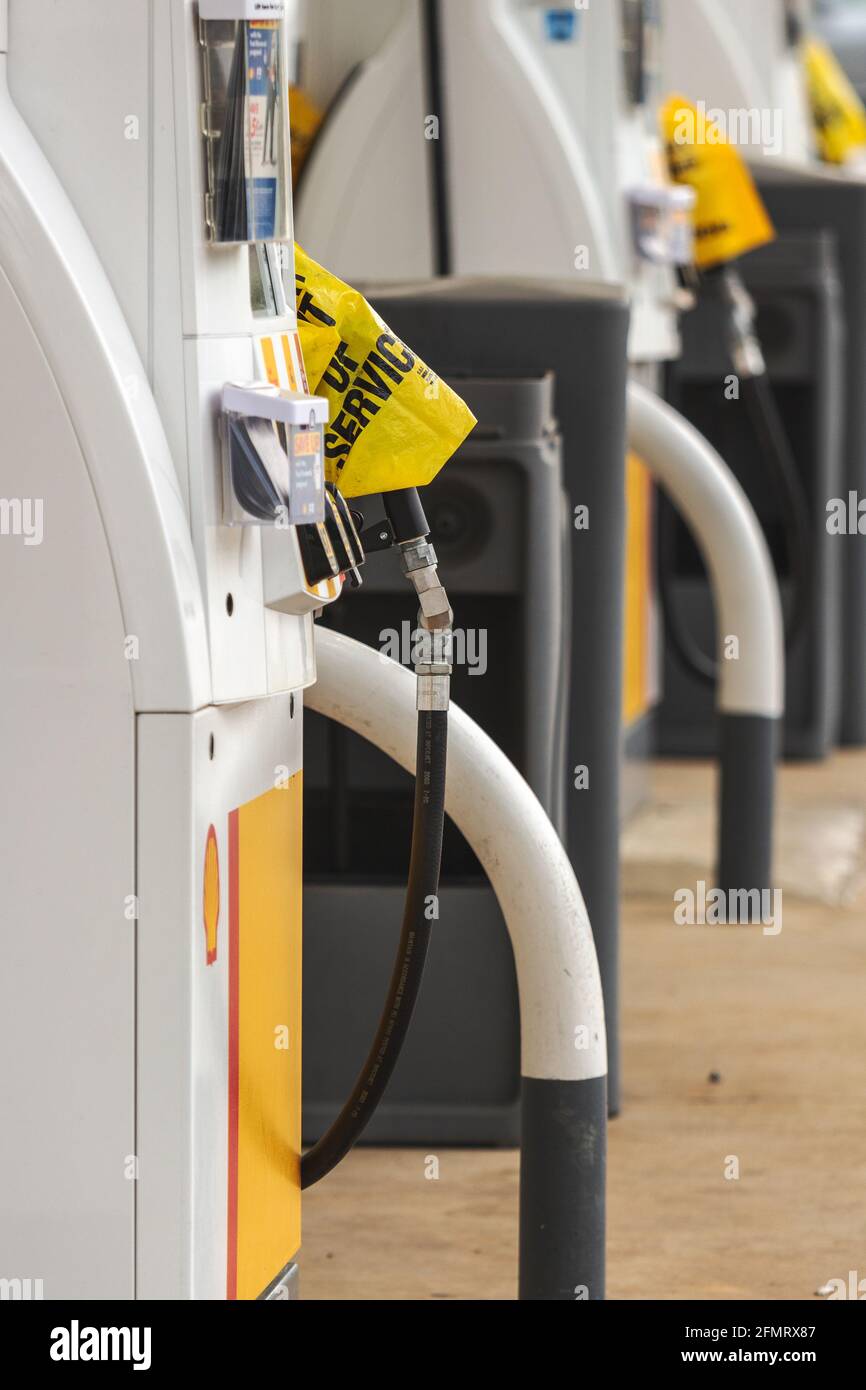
x,y
306,477
264,114
298,475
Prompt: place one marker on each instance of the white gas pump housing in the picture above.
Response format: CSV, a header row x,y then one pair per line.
x,y
738,57
549,145
150,732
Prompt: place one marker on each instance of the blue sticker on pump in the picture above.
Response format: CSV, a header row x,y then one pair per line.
x,y
561,25
264,108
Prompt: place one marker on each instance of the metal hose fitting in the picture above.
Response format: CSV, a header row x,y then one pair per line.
x,y
434,646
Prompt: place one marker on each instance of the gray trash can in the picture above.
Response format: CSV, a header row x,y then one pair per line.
x,y
795,285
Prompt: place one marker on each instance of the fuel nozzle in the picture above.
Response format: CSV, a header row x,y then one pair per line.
x,y
406,529
411,532
743,343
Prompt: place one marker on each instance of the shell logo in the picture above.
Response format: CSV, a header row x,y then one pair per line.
x,y
211,895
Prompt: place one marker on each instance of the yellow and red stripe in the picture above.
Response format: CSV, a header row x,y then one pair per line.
x,y
264,1052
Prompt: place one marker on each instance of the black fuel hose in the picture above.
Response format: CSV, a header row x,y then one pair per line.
x,y
800,542
423,886
779,460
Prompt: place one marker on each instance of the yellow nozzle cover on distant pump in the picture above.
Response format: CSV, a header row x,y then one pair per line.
x,y
838,112
730,217
394,423
305,122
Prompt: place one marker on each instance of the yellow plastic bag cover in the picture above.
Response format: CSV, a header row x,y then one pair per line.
x,y
319,343
305,120
838,113
730,217
394,423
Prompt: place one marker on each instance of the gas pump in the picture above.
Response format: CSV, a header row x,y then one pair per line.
x,y
156,404
565,95
170,535
764,63
744,59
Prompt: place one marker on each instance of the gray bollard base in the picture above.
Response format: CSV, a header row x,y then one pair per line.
x,y
748,751
562,1189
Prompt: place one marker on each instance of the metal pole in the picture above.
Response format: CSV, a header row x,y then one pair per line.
x,y
750,695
